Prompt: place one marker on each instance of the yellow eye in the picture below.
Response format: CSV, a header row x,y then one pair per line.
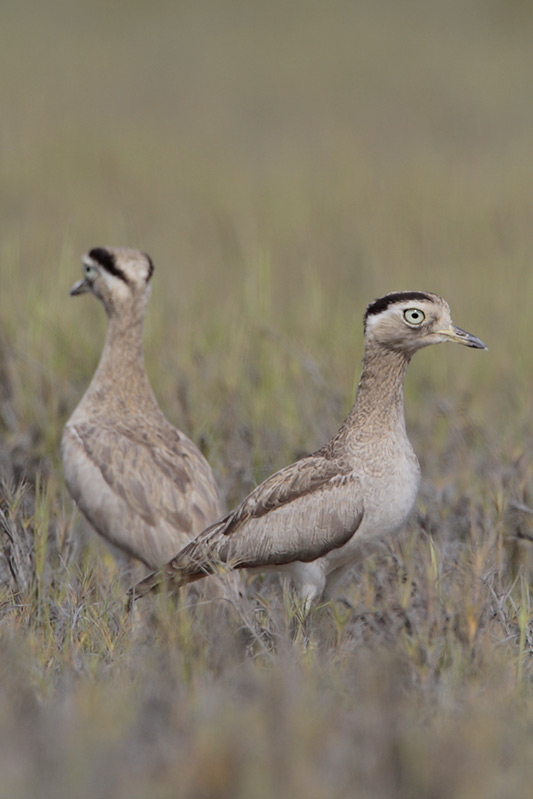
x,y
414,316
89,271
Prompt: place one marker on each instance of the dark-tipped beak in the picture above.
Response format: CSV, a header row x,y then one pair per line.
x,y
80,287
454,333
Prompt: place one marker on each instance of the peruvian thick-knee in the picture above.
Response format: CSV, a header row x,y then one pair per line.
x,y
315,518
141,483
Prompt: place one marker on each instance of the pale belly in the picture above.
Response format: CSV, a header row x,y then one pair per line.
x,y
389,500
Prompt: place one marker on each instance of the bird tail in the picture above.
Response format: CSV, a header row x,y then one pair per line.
x,y
150,583
191,563
171,576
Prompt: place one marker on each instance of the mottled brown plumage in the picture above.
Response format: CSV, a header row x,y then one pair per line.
x,y
142,484
313,519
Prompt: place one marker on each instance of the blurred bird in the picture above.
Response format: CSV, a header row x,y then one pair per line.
x,y
312,520
142,484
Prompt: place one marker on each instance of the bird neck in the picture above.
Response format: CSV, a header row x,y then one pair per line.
x,y
121,373
378,406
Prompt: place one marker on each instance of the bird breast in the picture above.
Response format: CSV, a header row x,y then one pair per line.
x,y
390,496
389,487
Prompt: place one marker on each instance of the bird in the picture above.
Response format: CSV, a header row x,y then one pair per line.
x,y
312,520
141,483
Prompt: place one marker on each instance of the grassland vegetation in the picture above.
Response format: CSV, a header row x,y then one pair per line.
x,y
283,165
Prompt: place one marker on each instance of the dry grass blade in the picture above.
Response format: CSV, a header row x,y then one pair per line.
x,y
283,164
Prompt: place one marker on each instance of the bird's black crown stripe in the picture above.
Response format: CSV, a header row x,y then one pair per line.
x,y
150,267
106,260
380,305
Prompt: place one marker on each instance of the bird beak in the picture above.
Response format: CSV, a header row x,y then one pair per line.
x,y
80,287
454,333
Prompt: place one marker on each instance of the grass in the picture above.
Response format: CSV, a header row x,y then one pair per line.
x,y
283,164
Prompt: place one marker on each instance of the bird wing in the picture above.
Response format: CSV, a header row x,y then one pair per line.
x,y
300,513
148,481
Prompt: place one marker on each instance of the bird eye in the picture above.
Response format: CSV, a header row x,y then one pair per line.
x,y
89,271
414,316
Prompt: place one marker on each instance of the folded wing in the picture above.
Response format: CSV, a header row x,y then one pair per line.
x,y
147,495
300,513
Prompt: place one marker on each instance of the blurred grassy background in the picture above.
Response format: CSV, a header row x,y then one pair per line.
x,y
283,164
